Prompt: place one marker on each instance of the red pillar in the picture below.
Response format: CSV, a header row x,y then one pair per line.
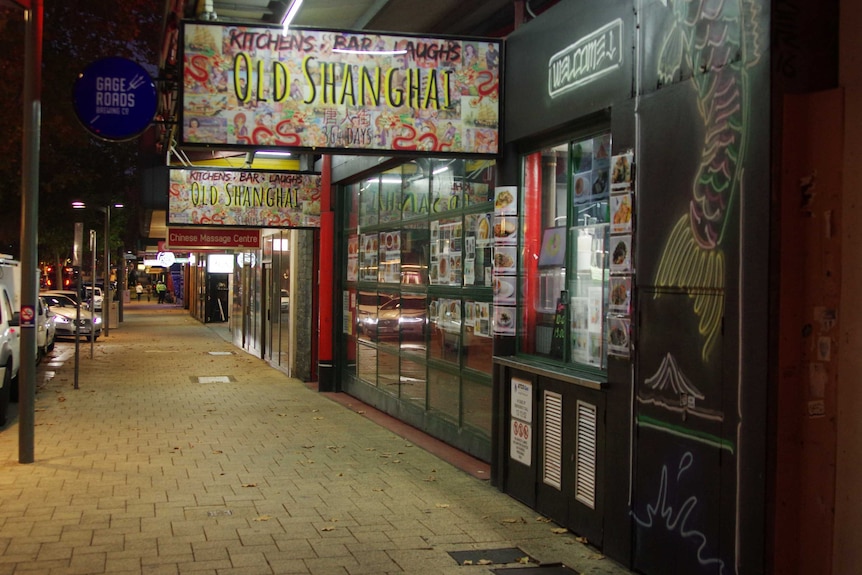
x,y
326,282
532,244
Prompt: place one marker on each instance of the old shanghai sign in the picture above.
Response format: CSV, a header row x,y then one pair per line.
x,y
115,99
325,90
247,198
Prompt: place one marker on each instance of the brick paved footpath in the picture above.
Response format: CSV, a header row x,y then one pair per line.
x,y
144,469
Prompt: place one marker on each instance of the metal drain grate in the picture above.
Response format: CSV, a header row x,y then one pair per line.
x,y
213,379
549,569
491,556
220,352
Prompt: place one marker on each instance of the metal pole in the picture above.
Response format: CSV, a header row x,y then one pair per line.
x,y
93,283
106,282
29,226
121,285
76,263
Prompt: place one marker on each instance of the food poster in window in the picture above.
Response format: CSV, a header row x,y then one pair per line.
x,y
469,258
595,313
601,183
505,200
368,257
621,172
505,230
353,258
620,295
580,322
469,313
484,229
504,320
390,257
449,315
618,336
477,250
505,258
621,254
447,253
504,289
482,311
596,349
580,346
621,213
469,272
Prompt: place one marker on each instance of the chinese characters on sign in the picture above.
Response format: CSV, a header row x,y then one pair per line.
x,y
318,89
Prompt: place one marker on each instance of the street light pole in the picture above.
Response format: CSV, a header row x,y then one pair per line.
x,y
32,96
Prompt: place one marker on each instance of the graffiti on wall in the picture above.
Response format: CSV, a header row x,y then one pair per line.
x,y
662,514
718,41
684,523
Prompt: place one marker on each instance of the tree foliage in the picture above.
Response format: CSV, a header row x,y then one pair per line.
x,y
74,165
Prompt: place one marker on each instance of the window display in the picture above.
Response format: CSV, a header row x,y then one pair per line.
x,y
569,254
420,244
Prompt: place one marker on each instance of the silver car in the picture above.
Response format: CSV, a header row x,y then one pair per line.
x,y
65,314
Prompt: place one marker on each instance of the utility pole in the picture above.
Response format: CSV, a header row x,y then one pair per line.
x,y
29,224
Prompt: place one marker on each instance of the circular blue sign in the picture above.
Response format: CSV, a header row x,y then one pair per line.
x,y
115,99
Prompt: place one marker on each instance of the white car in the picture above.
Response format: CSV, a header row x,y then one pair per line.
x,y
66,313
46,329
95,300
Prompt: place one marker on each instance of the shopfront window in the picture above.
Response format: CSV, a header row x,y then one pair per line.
x,y
565,263
419,286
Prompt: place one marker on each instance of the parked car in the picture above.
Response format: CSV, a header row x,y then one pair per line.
x,y
94,296
69,293
46,329
65,311
10,331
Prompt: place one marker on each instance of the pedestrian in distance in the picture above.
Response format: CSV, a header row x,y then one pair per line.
x,y
139,289
161,291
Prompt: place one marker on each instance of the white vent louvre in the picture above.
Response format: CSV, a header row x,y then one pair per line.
x,y
585,455
552,439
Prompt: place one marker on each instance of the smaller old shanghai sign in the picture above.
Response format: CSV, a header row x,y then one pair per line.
x,y
216,197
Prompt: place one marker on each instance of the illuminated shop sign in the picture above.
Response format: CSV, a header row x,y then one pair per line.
x,y
315,89
249,198
213,238
587,60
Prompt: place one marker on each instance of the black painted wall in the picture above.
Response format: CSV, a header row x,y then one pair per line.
x,y
686,419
